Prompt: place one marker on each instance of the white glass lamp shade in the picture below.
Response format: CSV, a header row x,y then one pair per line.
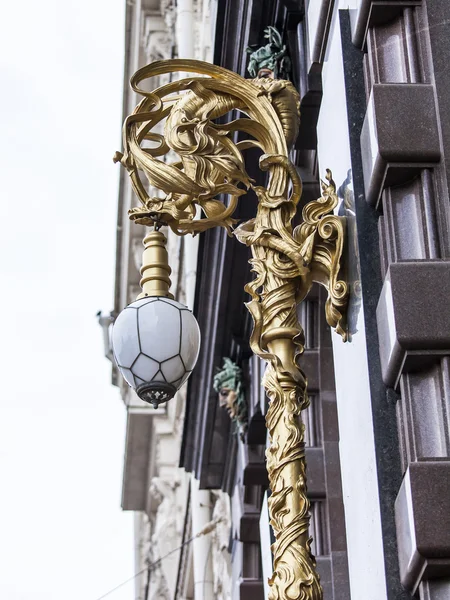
x,y
156,342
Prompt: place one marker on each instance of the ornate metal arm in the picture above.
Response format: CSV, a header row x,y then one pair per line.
x,y
208,162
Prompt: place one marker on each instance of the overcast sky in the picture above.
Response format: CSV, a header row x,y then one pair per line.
x,y
63,535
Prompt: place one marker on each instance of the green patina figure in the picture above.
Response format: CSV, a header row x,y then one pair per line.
x,y
271,59
228,384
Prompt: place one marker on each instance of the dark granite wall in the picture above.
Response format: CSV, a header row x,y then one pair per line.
x,y
404,143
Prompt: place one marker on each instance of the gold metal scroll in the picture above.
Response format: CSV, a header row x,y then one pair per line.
x,y
206,163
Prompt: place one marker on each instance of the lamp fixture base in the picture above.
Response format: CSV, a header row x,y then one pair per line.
x,y
156,392
155,268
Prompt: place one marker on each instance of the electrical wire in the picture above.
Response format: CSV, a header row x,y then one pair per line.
x,y
207,529
206,568
121,584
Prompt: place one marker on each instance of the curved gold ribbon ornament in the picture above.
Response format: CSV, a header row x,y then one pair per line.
x,y
174,144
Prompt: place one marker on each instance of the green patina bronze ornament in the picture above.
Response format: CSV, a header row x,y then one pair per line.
x,y
270,60
228,384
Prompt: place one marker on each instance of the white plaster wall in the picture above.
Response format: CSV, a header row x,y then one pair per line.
x,y
357,447
266,552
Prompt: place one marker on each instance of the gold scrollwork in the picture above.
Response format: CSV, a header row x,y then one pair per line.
x,y
286,262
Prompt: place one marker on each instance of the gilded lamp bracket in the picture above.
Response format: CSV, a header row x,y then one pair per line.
x,y
181,161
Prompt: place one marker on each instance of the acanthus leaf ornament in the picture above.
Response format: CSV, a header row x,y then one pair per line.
x,y
286,262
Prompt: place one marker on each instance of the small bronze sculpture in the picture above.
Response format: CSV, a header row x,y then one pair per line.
x,y
270,60
228,384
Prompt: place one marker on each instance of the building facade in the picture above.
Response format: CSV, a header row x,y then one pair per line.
x,y
374,85
154,486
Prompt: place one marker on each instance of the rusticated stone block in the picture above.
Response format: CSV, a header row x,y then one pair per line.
x,y
413,317
399,136
422,516
251,589
377,12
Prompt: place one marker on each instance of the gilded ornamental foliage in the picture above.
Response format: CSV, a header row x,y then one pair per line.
x,y
199,167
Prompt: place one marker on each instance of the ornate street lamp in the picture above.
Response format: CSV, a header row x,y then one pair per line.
x,y
156,340
286,263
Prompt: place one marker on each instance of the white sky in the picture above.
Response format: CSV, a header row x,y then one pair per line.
x,y
63,535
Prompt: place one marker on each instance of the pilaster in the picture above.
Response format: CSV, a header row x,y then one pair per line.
x,y
423,524
403,143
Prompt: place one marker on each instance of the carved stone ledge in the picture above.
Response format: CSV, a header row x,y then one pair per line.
x,y
316,473
375,12
322,32
249,526
137,451
399,136
311,100
310,364
252,461
257,432
325,571
422,515
251,589
413,317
